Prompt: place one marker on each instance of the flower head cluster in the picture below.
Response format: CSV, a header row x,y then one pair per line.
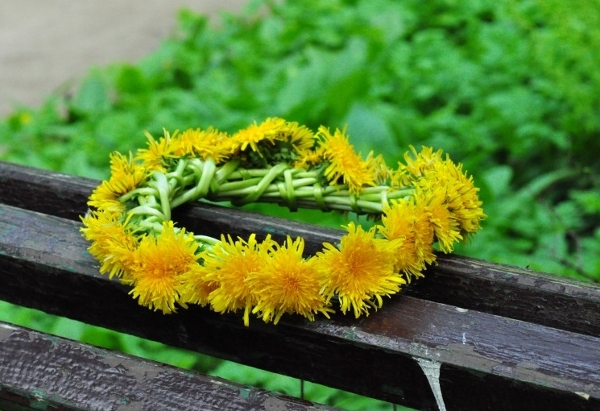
x,y
426,203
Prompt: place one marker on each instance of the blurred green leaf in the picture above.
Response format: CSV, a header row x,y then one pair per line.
x,y
92,96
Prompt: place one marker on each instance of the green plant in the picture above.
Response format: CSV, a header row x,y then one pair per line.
x,y
508,88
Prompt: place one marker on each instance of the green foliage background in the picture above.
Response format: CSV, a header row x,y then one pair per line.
x,y
509,88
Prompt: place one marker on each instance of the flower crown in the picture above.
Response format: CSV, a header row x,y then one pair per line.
x,y
427,202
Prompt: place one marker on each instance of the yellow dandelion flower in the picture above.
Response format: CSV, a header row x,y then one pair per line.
x,y
310,158
410,222
382,173
158,152
344,163
194,287
125,176
445,225
209,143
422,161
400,178
463,199
160,261
461,195
301,138
258,134
360,271
287,283
113,244
229,264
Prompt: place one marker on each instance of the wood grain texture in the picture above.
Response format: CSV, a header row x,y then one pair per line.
x,y
38,371
515,364
464,282
505,338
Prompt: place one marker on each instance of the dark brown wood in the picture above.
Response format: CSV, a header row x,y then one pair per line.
x,y
460,281
52,193
38,371
486,361
463,282
513,292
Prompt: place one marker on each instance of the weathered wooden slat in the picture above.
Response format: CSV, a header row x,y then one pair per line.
x,y
464,282
52,193
513,292
43,372
485,361
460,281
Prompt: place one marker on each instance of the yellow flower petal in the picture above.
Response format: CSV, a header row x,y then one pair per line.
x,y
360,271
160,262
229,264
158,153
194,287
209,143
422,161
461,195
286,284
446,227
255,135
113,244
345,165
125,176
409,222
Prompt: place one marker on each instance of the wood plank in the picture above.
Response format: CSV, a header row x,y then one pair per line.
x,y
485,361
52,193
39,371
513,292
460,281
464,282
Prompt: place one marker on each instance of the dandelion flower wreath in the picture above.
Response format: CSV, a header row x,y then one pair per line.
x,y
425,203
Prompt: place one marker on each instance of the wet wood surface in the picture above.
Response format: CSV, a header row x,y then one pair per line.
x,y
464,282
44,372
500,337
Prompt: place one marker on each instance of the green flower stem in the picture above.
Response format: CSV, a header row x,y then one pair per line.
x,y
208,171
331,203
176,178
239,187
206,240
282,185
147,210
192,179
273,173
371,201
225,171
161,184
138,192
151,226
202,179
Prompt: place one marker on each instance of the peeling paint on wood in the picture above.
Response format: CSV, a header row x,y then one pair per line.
x,y
49,373
431,369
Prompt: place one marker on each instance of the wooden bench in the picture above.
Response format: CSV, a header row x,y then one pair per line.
x,y
470,336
